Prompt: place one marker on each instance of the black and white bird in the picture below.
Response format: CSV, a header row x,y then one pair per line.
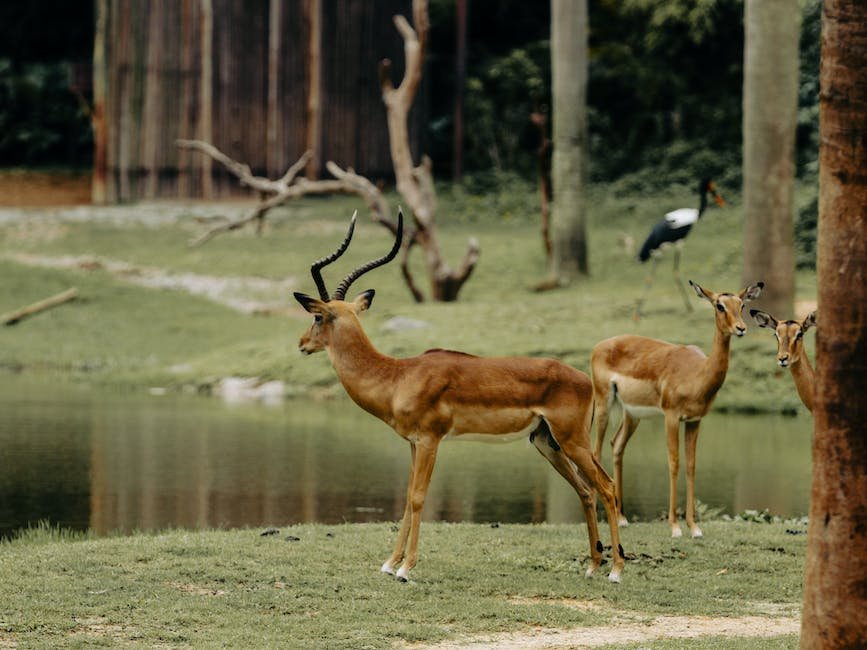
x,y
671,231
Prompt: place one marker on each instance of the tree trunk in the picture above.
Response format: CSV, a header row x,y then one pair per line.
x,y
206,94
98,193
569,85
835,597
313,16
460,80
770,101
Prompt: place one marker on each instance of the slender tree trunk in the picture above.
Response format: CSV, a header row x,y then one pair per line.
x,y
206,93
569,77
273,146
98,193
460,79
770,100
835,596
313,17
153,102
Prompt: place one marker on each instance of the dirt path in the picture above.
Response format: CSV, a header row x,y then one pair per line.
x,y
250,295
632,627
661,627
25,187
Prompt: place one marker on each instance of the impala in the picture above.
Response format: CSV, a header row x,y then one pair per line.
x,y
790,350
445,395
648,377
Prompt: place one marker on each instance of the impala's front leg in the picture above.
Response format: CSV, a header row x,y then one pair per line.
x,y
400,545
672,428
689,444
422,468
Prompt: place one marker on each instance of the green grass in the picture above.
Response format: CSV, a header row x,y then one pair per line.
x,y
240,589
126,336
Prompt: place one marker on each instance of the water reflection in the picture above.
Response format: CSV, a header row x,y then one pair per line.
x,y
91,460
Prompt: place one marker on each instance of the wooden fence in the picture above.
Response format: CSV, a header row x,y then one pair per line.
x,y
262,80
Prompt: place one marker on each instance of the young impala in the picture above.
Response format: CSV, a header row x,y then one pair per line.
x,y
444,395
790,350
648,378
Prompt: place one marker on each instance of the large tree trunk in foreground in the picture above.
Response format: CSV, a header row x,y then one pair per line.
x,y
835,591
770,102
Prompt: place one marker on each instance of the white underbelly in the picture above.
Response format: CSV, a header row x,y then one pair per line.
x,y
640,412
510,436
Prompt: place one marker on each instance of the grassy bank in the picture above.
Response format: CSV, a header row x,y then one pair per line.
x,y
319,586
124,335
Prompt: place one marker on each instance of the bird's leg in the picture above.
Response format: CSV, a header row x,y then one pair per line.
x,y
648,281
676,273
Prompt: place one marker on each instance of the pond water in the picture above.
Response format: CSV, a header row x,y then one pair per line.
x,y
83,459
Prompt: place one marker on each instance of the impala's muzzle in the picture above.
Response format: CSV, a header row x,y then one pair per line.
x,y
783,360
306,347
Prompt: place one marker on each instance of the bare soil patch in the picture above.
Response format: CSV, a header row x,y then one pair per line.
x,y
629,627
21,187
250,295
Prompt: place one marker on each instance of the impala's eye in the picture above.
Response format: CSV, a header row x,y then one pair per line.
x,y
719,307
799,335
317,319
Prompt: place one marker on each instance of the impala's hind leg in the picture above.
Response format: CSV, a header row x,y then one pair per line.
x,y
595,475
618,445
548,447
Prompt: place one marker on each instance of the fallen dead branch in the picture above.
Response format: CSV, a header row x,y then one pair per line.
x,y
20,314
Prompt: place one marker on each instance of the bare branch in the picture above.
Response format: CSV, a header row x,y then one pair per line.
x,y
293,171
364,188
242,171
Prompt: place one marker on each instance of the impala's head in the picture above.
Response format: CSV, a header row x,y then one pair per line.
x,y
789,333
331,314
728,307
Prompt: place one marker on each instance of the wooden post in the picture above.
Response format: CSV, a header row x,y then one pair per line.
x,y
206,94
313,15
460,79
100,90
273,149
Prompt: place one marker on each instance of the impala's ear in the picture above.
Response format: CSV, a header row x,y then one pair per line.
x,y
313,305
809,321
763,319
752,292
364,300
700,292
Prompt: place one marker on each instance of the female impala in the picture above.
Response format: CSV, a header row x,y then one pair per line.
x,y
443,395
651,378
790,350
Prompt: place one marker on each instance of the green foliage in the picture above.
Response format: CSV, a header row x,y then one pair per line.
x,y
664,90
807,145
806,223
41,121
500,101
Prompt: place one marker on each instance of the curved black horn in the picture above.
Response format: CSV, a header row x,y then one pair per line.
x,y
340,292
325,261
